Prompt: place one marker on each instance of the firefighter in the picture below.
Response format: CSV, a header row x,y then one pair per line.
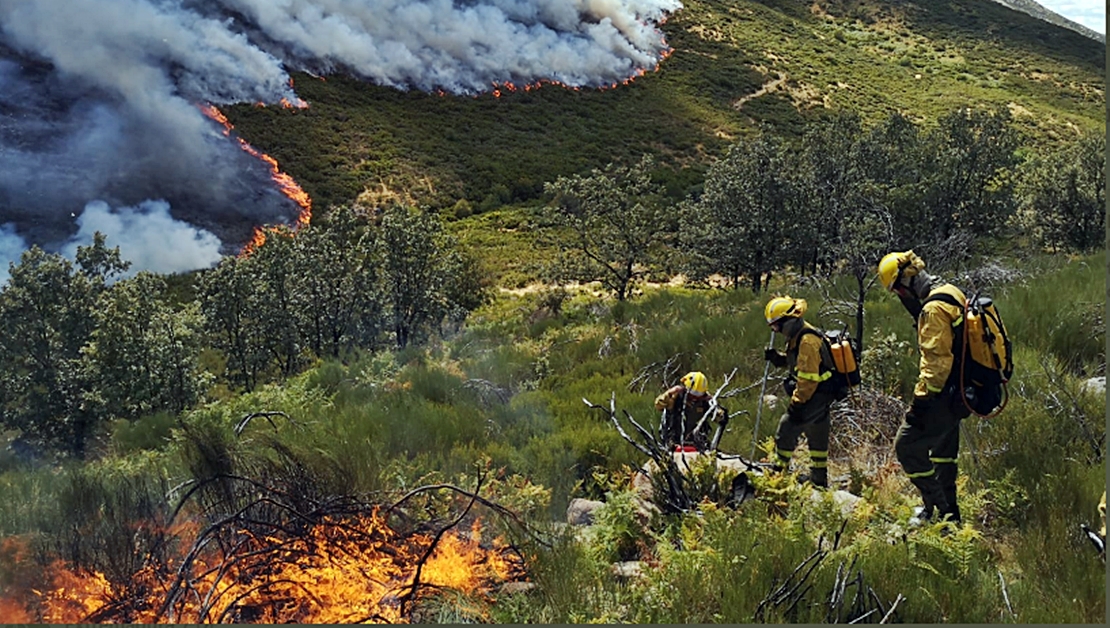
x,y
809,366
684,405
928,440
1102,515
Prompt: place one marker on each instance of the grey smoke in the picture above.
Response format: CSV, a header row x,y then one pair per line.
x,y
147,236
99,98
11,247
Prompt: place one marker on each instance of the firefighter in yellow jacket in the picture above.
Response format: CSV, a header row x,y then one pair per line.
x,y
928,440
684,405
809,367
1102,515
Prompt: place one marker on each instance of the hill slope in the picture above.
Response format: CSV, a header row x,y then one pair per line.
x,y
736,64
1037,10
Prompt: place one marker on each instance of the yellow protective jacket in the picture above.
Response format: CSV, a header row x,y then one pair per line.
x,y
934,340
1102,514
694,407
803,359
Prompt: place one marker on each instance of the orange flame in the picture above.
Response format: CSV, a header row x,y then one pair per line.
x,y
500,88
352,571
288,186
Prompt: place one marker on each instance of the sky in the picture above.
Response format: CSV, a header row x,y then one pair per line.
x,y
1089,13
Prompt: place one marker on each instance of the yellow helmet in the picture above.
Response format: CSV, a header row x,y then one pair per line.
x,y
894,266
695,381
781,307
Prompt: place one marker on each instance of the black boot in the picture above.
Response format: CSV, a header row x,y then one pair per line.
x,y
933,500
946,478
819,478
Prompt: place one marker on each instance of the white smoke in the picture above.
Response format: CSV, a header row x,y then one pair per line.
x,y
465,46
11,247
98,98
147,236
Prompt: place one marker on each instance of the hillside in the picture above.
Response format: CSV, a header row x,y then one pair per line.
x,y
379,417
1037,10
736,64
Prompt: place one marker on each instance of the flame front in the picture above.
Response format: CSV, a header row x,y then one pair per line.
x,y
288,186
343,572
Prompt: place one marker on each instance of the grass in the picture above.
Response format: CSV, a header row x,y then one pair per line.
x,y
384,423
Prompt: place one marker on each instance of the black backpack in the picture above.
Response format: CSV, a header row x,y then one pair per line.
x,y
983,361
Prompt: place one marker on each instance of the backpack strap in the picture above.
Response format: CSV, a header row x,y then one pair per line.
x,y
944,297
827,364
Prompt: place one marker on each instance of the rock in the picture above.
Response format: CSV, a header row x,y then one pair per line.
x,y
770,401
580,512
516,588
641,479
628,569
1095,386
845,500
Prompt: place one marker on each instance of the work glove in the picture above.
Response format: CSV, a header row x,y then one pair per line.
x,y
920,408
774,357
789,384
721,416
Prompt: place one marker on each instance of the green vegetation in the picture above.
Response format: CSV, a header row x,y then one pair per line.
x,y
507,390
384,348
359,142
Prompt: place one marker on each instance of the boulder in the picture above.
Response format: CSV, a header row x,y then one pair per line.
x,y
1095,386
629,569
516,588
843,499
641,480
580,512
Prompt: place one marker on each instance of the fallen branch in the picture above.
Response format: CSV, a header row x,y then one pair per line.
x,y
893,607
1005,595
408,595
242,424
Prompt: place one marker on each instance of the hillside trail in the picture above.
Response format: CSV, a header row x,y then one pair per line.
x,y
767,88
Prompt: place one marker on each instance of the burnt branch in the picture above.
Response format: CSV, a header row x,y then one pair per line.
x,y
268,415
665,370
407,597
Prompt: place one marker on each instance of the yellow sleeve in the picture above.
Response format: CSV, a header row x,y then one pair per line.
x,y
808,368
934,339
666,399
1102,513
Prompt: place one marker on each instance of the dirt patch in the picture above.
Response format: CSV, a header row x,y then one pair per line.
x,y
767,88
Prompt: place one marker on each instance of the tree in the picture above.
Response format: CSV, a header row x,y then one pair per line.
x,y
142,357
424,279
47,316
272,275
969,190
613,220
832,187
1065,194
226,295
337,287
893,161
746,217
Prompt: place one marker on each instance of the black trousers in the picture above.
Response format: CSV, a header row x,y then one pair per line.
x,y
813,421
927,451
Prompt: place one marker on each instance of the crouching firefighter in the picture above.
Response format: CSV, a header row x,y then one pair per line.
x,y
684,407
809,385
928,441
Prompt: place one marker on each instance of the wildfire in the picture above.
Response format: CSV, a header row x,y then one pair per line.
x,y
353,571
500,88
288,186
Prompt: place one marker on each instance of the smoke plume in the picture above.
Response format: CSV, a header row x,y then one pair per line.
x,y
11,246
99,99
147,236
